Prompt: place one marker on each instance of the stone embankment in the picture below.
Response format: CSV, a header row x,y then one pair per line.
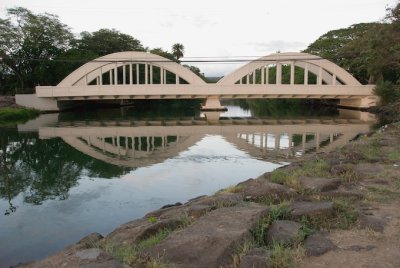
x,y
333,210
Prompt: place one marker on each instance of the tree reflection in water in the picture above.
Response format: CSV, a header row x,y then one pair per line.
x,y
41,170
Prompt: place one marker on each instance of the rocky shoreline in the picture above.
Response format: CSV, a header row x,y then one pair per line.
x,y
297,216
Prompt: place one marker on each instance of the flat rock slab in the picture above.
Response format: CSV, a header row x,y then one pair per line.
x,y
260,189
134,231
368,170
283,232
73,257
318,244
311,209
211,240
372,222
256,258
319,184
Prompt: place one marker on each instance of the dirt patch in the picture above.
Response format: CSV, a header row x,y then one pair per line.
x,y
364,248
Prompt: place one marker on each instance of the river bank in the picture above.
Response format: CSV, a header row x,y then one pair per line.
x,y
329,208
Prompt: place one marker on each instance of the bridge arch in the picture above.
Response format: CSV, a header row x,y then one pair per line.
x,y
130,67
326,71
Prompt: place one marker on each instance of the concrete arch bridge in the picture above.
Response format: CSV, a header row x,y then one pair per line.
x,y
140,75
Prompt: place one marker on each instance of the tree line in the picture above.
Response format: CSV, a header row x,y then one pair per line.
x,y
38,49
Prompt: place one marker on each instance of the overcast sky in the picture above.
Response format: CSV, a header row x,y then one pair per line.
x,y
213,28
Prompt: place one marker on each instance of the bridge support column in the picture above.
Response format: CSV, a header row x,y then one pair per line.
x,y
360,103
213,104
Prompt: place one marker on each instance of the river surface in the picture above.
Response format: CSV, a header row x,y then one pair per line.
x,y
66,175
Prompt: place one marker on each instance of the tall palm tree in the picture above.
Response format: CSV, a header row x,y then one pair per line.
x,y
178,50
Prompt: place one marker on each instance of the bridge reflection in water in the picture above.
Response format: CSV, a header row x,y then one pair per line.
x,y
147,142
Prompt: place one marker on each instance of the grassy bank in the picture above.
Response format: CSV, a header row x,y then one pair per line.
x,y
11,116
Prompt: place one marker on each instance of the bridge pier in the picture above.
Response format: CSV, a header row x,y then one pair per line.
x,y
366,102
213,104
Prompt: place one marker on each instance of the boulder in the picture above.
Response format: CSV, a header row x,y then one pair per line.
x,y
90,240
317,244
256,258
299,209
319,184
210,241
259,190
283,232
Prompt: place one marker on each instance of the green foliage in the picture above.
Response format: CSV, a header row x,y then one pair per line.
x,y
387,91
16,115
285,257
178,50
152,219
27,42
106,41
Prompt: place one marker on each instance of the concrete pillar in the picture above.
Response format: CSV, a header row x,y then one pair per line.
x,y
334,79
137,74
146,74
319,78
331,137
262,75
292,73
165,76
98,80
111,77
306,74
176,79
247,79
131,73
278,73
151,74
161,75
254,76
267,75
115,75
148,144
213,104
152,143
101,76
124,74
303,142
118,146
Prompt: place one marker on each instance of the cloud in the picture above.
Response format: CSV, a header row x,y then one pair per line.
x,y
278,45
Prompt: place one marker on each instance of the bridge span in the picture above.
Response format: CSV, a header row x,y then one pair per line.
x,y
140,75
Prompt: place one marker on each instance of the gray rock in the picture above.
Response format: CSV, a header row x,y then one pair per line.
x,y
318,244
319,184
209,241
197,211
172,205
256,258
367,170
75,257
311,209
90,240
134,231
372,222
283,232
219,200
258,190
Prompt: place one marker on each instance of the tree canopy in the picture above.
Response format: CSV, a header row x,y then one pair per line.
x,y
38,49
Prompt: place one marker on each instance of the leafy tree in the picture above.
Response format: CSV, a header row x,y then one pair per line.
x,y
106,41
332,44
178,50
27,42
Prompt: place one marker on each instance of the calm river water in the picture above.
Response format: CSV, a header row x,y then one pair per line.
x,y
66,175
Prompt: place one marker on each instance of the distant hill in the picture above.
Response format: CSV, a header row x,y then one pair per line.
x,y
213,79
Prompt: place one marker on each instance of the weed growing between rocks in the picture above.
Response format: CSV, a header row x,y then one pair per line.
x,y
285,257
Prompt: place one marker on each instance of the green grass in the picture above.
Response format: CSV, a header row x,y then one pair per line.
x,y
130,254
10,116
316,168
285,257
